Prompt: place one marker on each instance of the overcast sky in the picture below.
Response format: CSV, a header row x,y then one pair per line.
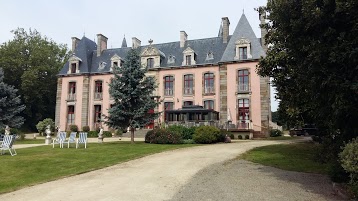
x,y
160,20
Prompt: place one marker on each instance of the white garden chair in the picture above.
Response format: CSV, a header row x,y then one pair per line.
x,y
71,139
61,137
82,139
7,143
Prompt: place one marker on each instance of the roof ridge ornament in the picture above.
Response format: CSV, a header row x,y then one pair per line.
x,y
150,41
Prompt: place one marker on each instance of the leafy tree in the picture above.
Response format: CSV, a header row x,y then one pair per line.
x,y
132,94
31,63
10,105
313,58
274,116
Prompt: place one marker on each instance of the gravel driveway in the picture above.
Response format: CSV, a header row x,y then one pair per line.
x,y
183,174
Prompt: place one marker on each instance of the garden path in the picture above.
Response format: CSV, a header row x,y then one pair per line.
x,y
155,177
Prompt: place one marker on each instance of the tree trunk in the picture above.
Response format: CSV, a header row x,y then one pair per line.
x,y
132,135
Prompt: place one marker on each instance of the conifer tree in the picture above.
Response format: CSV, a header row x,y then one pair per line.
x,y
132,93
10,105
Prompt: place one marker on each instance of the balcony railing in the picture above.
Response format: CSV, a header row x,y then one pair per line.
x,y
243,125
188,91
71,97
209,90
243,88
168,92
98,95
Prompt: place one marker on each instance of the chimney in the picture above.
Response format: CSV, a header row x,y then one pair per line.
x,y
75,42
101,44
226,24
135,43
183,38
262,16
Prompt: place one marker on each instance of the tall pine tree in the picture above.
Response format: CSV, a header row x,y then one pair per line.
x,y
10,105
132,93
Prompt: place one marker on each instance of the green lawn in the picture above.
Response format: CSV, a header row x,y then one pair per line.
x,y
40,164
283,138
295,157
30,141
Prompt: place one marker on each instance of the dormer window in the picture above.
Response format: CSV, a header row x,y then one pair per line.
x,y
150,62
188,57
243,49
171,59
73,68
116,61
209,56
102,65
73,65
188,60
243,52
151,56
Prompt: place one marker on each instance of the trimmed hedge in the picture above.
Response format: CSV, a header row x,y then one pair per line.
x,y
163,136
86,128
208,135
74,128
95,134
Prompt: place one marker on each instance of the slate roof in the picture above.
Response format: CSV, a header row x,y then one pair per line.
x,y
243,29
86,50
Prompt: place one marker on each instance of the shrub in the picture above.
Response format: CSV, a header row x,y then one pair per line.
x,y
239,137
232,136
73,128
163,136
186,133
41,126
207,135
247,137
349,161
149,136
275,133
85,128
107,133
221,136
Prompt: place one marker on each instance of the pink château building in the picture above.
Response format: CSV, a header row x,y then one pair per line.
x,y
217,73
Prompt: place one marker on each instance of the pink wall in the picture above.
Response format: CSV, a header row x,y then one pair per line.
x,y
255,102
65,103
105,102
197,97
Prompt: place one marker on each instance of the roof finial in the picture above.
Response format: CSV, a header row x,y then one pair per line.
x,y
124,42
150,41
